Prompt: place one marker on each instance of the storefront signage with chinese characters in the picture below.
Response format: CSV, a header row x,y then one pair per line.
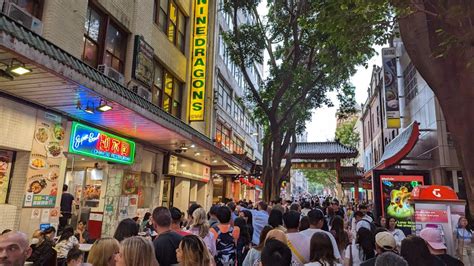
x,y
198,78
313,165
98,144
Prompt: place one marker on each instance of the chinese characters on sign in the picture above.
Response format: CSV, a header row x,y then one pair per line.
x,y
96,143
198,78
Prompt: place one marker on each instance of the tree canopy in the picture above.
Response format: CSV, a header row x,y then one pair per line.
x,y
313,48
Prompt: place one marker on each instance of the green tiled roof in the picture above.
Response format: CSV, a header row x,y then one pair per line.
x,y
37,42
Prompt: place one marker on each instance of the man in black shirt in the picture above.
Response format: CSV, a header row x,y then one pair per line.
x,y
66,208
167,240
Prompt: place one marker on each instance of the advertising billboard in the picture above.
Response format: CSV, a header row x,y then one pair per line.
x,y
395,198
390,91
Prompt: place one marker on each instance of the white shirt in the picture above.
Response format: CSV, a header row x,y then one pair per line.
x,y
300,245
308,233
398,235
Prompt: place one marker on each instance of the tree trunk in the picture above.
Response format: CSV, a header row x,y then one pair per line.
x,y
451,77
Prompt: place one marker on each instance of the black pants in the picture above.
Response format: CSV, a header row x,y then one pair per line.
x,y
63,220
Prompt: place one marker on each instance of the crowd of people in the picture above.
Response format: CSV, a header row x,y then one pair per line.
x,y
312,231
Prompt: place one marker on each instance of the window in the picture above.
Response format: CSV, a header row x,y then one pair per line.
x,y
225,96
114,48
34,7
249,151
168,91
104,41
239,145
171,20
410,83
223,136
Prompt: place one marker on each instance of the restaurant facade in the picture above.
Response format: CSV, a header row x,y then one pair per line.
x,y
103,105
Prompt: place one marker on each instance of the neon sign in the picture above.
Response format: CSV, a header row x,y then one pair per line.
x,y
92,142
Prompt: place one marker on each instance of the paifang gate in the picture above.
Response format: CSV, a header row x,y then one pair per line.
x,y
328,155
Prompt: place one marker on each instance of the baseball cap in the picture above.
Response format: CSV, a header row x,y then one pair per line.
x,y
385,240
433,237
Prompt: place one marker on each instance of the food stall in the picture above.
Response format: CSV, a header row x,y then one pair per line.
x,y
438,207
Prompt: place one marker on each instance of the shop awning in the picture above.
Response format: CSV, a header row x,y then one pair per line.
x,y
63,83
399,147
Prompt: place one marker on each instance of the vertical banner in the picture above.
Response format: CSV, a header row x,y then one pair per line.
x,y
390,91
199,52
46,160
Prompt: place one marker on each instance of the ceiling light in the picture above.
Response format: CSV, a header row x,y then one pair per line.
x,y
83,159
192,146
183,147
104,107
19,70
89,109
215,161
197,154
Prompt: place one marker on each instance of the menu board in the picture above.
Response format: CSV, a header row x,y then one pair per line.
x,y
5,167
45,161
396,195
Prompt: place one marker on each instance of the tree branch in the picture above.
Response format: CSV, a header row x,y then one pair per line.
x,y
269,47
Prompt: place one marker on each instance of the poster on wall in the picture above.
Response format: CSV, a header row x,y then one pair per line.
x,y
45,162
395,197
130,183
6,158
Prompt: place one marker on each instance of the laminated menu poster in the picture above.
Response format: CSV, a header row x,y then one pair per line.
x,y
46,161
5,167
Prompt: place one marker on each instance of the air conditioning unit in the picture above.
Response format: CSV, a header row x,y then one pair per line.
x,y
23,17
140,90
111,73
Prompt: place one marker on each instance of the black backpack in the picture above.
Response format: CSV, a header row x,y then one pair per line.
x,y
225,247
372,225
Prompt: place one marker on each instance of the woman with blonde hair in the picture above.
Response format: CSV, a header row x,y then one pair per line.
x,y
277,234
193,252
103,252
136,250
200,227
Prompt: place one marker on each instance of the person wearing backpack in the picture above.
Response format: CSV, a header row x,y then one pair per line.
x,y
226,238
363,221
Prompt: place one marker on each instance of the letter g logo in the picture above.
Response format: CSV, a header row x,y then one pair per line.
x,y
436,192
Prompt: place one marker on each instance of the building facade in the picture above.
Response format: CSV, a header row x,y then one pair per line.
x,y
233,127
434,150
116,101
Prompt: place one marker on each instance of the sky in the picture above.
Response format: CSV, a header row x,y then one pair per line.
x,y
322,126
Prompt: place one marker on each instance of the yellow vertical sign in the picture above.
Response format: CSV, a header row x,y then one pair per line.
x,y
198,79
